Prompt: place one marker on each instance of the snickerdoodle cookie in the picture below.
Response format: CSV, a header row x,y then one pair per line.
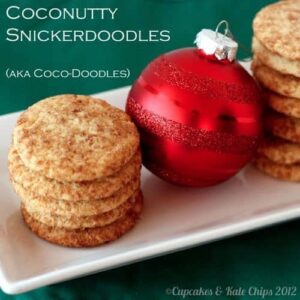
x,y
48,205
280,150
277,170
77,222
286,105
87,237
274,60
282,126
283,84
72,191
75,138
277,28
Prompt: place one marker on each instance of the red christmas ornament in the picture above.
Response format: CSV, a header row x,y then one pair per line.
x,y
198,112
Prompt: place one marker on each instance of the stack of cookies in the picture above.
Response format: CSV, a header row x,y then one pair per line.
x,y
276,65
75,163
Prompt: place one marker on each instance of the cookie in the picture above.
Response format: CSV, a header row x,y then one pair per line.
x,y
277,170
88,237
275,61
277,27
279,150
282,126
72,191
283,84
44,205
285,105
75,138
77,222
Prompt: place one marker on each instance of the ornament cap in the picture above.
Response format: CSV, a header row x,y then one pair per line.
x,y
215,43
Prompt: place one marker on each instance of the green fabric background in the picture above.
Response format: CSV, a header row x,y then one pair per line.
x,y
267,258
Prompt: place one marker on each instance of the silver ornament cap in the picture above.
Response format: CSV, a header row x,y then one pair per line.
x,y
213,42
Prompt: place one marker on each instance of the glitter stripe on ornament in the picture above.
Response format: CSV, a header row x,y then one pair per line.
x,y
202,86
192,137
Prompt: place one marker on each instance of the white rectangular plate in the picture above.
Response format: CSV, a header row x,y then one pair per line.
x,y
174,218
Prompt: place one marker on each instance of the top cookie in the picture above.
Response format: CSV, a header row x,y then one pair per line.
x,y
277,27
75,138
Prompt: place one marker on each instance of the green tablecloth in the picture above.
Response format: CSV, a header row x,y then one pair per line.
x,y
266,258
